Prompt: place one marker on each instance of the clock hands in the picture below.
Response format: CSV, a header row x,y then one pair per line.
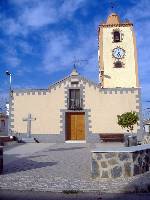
x,y
118,53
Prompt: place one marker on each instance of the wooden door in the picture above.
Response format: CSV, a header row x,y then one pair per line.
x,y
75,126
80,126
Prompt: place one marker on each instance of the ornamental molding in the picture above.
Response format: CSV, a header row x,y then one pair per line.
x,y
115,25
118,47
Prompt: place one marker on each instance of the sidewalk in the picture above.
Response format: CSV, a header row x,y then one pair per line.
x,y
60,167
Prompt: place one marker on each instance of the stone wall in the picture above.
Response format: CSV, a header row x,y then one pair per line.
x,y
120,164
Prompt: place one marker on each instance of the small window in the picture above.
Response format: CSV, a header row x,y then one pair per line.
x,y
74,101
116,36
118,64
74,93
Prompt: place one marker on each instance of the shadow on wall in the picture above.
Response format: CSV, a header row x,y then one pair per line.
x,y
133,188
136,189
140,184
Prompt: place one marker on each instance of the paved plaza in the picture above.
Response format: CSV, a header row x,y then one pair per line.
x,y
60,167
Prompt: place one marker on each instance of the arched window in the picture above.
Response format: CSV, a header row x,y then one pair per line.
x,y
118,64
116,36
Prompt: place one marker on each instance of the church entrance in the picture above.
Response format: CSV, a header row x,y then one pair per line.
x,y
75,126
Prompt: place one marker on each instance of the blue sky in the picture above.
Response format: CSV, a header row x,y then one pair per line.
x,y
40,38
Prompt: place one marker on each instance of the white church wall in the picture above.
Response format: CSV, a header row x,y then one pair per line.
x,y
105,108
45,108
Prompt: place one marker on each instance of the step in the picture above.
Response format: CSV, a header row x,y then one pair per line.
x,y
28,140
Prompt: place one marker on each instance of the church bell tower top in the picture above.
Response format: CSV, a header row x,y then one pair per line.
x,y
113,18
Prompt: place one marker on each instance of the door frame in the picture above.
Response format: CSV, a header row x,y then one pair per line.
x,y
75,141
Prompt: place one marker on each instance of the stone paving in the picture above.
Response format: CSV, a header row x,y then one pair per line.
x,y
60,167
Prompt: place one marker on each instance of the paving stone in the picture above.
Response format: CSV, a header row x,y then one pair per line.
x,y
136,169
128,169
135,155
123,156
112,162
104,174
95,169
140,161
116,172
146,158
110,155
99,156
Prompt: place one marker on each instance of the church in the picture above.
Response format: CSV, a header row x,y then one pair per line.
x,y
76,109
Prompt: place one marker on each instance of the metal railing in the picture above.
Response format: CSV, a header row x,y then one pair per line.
x,y
75,104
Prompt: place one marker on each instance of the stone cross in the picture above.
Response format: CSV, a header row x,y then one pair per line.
x,y
28,120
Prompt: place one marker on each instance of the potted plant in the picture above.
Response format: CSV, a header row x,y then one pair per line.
x,y
128,120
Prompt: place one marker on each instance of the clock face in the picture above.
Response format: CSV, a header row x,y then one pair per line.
x,y
118,52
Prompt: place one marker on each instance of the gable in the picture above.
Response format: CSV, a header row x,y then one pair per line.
x,y
74,80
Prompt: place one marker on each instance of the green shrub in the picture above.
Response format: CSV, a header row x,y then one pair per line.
x,y
128,120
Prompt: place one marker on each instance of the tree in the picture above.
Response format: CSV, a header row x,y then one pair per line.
x,y
128,120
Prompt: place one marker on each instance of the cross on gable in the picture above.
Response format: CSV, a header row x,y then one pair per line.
x,y
28,120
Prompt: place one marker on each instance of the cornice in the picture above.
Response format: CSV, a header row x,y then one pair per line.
x,y
115,25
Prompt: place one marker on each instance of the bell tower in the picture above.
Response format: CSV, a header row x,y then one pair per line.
x,y
117,54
